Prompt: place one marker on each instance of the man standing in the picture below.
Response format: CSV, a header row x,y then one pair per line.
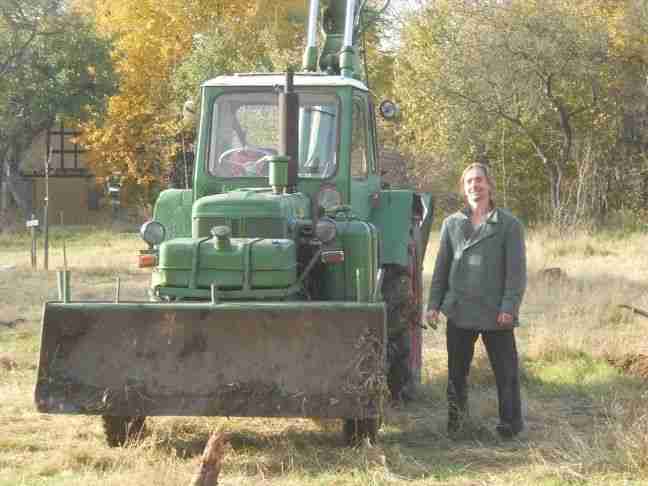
x,y
478,283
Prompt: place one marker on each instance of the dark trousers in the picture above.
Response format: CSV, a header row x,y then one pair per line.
x,y
503,357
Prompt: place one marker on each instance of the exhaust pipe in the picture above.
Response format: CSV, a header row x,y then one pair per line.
x,y
347,53
348,24
309,62
289,129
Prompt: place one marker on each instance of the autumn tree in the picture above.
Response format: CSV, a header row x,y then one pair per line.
x,y
164,49
531,87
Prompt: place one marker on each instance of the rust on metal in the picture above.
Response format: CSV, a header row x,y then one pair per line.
x,y
275,361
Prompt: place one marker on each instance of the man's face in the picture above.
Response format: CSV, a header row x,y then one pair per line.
x,y
476,187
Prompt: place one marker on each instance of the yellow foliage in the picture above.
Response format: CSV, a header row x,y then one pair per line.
x,y
137,135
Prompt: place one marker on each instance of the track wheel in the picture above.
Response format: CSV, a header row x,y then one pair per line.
x,y
122,429
356,431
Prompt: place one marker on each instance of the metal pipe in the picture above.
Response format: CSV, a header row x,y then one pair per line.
x,y
289,129
348,24
117,289
311,40
309,62
214,294
378,288
63,285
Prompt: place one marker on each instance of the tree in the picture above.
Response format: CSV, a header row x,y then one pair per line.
x,y
52,65
164,50
533,83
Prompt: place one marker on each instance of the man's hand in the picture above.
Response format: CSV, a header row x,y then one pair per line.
x,y
504,320
432,317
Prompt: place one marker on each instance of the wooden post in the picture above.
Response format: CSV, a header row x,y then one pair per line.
x,y
212,460
45,215
33,238
4,187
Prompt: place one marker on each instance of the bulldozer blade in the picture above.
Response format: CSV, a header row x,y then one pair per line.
x,y
258,359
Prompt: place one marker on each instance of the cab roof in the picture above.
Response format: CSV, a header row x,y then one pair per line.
x,y
274,79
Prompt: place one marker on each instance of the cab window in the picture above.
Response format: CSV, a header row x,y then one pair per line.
x,y
359,148
245,129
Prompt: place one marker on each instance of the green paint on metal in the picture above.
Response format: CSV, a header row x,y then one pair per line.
x,y
248,262
195,262
173,210
426,224
228,295
393,217
225,306
278,176
242,305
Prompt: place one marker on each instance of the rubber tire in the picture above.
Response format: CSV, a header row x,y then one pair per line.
x,y
356,431
120,430
398,299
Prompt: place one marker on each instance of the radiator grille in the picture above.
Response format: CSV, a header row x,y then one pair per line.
x,y
264,228
244,228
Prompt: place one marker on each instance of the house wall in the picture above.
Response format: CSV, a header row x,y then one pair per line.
x,y
69,196
72,188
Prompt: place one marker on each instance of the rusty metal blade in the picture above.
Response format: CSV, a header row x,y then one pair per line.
x,y
257,359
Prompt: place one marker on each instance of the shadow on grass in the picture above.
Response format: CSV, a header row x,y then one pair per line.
x,y
413,442
417,445
185,446
249,441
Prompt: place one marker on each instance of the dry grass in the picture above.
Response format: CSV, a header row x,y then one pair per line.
x,y
587,420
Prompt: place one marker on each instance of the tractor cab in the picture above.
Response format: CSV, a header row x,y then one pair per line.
x,y
336,141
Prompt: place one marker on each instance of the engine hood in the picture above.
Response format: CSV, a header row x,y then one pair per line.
x,y
256,212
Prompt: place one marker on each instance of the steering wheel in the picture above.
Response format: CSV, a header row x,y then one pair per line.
x,y
245,161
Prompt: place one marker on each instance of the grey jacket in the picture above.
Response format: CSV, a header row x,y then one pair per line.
x,y
479,274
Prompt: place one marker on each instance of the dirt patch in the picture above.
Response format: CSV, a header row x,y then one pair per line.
x,y
7,364
632,364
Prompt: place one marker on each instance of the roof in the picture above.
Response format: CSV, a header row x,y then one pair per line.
x,y
274,79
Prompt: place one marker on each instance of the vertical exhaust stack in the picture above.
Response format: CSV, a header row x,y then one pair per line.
x,y
309,62
347,54
289,129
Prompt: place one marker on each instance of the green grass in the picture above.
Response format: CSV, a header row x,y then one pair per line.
x,y
79,236
576,374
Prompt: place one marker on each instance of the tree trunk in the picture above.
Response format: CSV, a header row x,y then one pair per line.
x,y
212,460
4,190
13,187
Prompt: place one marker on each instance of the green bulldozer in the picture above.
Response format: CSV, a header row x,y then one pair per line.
x,y
285,283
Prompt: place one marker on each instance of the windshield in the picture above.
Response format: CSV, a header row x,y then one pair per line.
x,y
245,128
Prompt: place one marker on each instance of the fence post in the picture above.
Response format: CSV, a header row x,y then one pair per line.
x,y
33,225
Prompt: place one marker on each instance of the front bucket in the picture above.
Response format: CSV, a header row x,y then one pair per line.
x,y
257,359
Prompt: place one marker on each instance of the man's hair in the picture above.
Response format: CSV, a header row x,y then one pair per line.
x,y
486,171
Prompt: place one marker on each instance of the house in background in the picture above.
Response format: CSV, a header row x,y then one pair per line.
x,y
73,195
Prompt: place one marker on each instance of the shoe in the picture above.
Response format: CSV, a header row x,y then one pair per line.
x,y
508,431
453,427
457,419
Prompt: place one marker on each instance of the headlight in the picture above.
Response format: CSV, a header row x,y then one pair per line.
x,y
325,230
152,232
389,110
328,197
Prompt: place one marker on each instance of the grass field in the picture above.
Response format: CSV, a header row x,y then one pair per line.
x,y
587,419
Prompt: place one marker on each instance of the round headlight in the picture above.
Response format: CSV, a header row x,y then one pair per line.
x,y
389,110
152,232
325,230
328,197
